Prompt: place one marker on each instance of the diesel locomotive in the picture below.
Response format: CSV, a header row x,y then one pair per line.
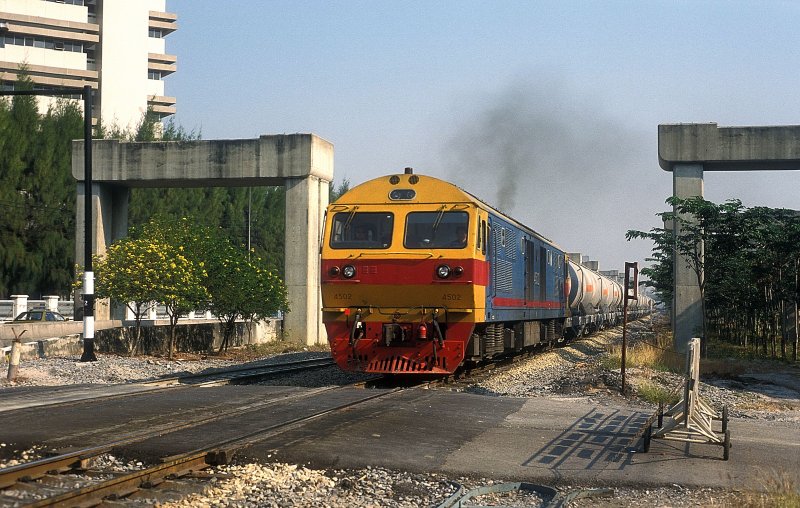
x,y
419,277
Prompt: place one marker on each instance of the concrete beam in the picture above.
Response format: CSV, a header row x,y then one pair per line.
x,y
268,160
729,148
301,162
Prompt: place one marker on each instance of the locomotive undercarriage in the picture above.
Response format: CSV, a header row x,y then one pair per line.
x,y
491,340
399,346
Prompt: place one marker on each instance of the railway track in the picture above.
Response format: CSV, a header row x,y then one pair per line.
x,y
42,482
235,375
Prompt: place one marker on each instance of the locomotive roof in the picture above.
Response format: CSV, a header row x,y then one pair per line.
x,y
428,189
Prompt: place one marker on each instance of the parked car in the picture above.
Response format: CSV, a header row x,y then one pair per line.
x,y
39,315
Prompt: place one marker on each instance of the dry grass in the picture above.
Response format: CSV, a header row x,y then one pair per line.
x,y
646,355
779,490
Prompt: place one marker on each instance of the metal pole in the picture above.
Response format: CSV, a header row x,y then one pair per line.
x,y
249,205
630,293
624,333
88,274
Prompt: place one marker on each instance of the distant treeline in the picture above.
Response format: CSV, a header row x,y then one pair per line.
x,y
746,261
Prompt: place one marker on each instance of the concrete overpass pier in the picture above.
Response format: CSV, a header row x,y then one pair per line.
x,y
303,163
689,150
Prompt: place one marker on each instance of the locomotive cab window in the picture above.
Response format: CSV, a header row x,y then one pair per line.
x,y
362,230
436,230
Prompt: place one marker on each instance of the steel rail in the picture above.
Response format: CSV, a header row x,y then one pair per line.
x,y
291,366
40,467
228,446
123,485
175,382
37,468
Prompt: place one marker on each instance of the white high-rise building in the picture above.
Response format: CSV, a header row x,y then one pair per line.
x,y
115,46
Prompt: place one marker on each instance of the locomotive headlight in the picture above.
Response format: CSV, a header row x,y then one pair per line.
x,y
349,271
457,271
443,271
334,271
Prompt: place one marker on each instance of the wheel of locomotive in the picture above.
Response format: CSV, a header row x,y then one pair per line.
x,y
648,434
726,445
724,419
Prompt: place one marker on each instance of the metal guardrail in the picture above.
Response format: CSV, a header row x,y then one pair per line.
x,y
67,308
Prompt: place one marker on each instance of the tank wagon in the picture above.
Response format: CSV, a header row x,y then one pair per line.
x,y
419,277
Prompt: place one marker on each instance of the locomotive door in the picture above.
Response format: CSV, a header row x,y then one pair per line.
x,y
530,269
491,259
542,274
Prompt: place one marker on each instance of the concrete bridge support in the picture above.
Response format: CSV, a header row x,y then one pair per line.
x,y
303,163
688,150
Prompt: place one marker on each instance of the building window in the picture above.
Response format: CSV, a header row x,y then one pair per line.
x,y
156,75
40,42
71,2
155,33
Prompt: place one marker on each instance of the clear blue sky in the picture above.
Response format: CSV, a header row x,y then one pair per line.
x,y
548,110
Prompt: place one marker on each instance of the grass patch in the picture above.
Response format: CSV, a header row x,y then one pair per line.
x,y
611,361
656,394
778,490
645,355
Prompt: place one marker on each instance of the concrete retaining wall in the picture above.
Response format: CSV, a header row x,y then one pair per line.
x,y
189,337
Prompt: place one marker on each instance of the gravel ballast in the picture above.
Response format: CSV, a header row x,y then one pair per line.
x,y
576,370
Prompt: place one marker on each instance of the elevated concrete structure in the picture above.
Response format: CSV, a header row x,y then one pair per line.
x,y
303,163
687,150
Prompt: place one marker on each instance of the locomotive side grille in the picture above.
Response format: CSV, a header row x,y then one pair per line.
x,y
511,244
505,274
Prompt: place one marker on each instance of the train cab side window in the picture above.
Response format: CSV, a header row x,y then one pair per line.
x,y
363,230
550,257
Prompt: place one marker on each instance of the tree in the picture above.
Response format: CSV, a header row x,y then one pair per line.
x,y
746,262
37,193
180,269
659,274
337,191
239,287
51,199
130,273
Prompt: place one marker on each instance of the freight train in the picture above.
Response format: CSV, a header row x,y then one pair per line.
x,y
421,277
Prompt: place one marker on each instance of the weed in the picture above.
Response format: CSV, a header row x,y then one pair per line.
x,y
778,490
656,394
647,355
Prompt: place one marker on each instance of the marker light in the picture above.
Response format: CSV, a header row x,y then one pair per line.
x,y
457,271
443,271
333,271
349,271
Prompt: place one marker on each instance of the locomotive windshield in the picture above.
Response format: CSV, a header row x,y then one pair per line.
x,y
362,230
436,230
